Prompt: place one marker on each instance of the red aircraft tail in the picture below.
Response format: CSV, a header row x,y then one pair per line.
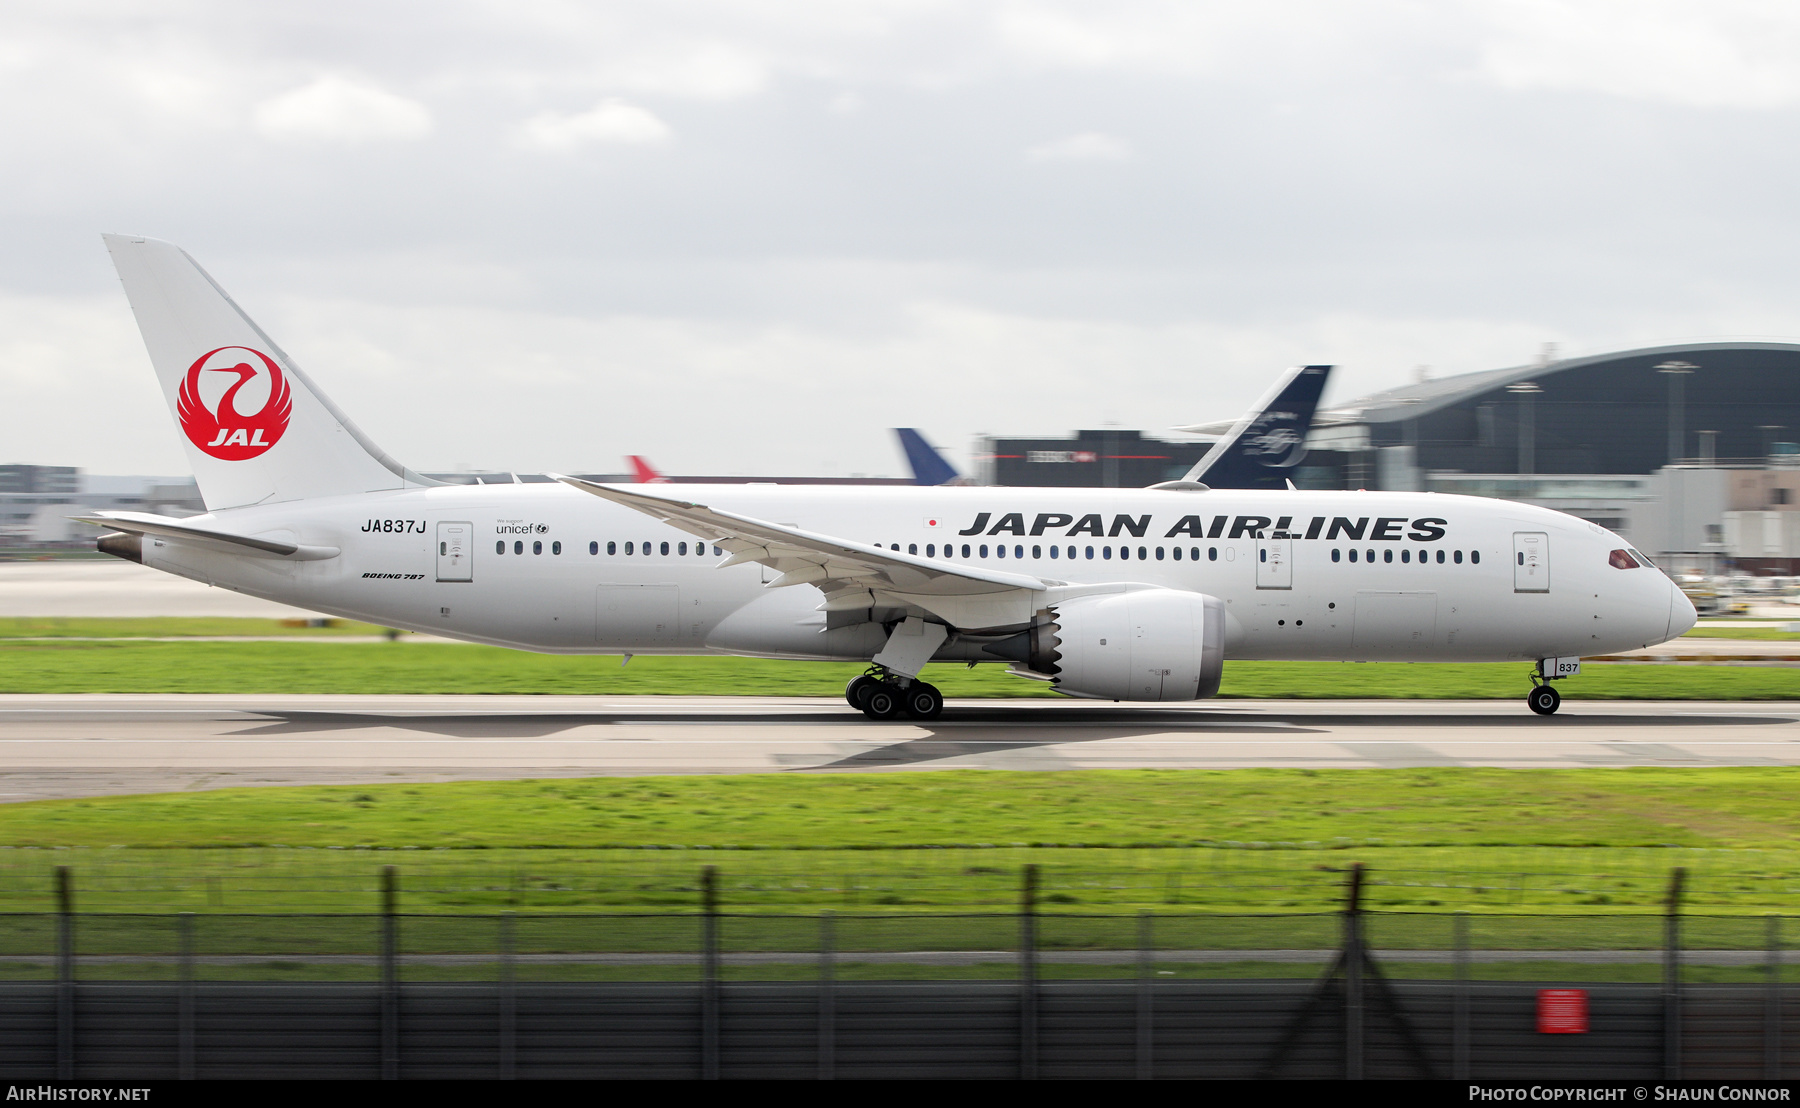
x,y
646,473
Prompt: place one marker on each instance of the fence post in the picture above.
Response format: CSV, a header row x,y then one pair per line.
x,y
827,996
65,975
709,973
185,1013
390,974
1028,1021
1459,1047
509,1003
1772,1003
1672,977
1146,1011
1353,976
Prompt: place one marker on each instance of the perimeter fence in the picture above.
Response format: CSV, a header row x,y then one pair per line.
x,y
1032,992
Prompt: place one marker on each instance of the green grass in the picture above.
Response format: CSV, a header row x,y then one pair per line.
x,y
1767,634
276,668
1713,808
39,627
1595,841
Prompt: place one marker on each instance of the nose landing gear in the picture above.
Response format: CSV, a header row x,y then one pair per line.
x,y
1543,699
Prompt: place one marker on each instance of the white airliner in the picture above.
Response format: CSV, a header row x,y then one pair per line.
x,y
1117,594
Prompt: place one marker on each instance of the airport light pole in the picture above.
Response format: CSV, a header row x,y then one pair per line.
x,y
1677,373
1527,392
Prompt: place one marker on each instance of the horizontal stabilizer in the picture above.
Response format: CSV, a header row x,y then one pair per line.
x,y
182,531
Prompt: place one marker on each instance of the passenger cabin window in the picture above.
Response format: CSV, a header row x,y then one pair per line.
x,y
556,548
500,547
519,546
612,548
630,548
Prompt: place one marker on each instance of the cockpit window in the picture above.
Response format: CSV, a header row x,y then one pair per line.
x,y
1641,560
1621,559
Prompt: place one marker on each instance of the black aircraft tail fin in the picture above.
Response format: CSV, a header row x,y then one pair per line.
x,y
1262,449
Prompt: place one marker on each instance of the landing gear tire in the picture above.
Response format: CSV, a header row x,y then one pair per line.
x,y
1544,700
858,690
923,701
883,702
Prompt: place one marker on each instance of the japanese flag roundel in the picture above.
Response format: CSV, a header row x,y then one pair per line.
x,y
234,403
932,521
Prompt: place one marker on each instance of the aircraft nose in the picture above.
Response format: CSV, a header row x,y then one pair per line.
x,y
1681,612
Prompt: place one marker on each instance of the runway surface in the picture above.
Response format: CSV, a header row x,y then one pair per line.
x,y
63,746
117,590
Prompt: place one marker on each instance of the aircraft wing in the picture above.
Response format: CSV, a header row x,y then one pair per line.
x,y
851,574
165,527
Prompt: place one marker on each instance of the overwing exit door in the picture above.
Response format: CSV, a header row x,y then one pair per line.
x,y
456,552
1274,563
1531,561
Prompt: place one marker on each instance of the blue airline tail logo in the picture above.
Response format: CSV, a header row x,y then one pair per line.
x,y
1261,450
928,466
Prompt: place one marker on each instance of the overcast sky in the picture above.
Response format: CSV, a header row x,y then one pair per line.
x,y
750,237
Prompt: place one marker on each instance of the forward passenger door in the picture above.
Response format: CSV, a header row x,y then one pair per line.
x,y
1274,563
1531,561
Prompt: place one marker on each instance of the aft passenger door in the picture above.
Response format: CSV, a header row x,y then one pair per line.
x,y
456,552
1531,561
1274,563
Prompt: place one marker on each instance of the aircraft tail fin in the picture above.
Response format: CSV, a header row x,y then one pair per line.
x,y
928,466
256,429
1262,448
646,474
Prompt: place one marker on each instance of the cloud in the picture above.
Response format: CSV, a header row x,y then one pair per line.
x,y
1727,54
610,121
1088,146
344,110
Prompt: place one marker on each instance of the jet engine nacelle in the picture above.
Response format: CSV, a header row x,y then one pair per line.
x,y
1147,644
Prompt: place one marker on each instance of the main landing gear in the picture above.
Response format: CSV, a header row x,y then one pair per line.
x,y
879,695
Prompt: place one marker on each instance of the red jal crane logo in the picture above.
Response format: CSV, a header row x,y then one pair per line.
x,y
223,428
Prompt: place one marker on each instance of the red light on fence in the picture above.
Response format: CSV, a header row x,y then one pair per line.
x,y
1562,1012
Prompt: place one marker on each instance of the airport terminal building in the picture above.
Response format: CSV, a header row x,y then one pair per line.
x,y
1690,450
